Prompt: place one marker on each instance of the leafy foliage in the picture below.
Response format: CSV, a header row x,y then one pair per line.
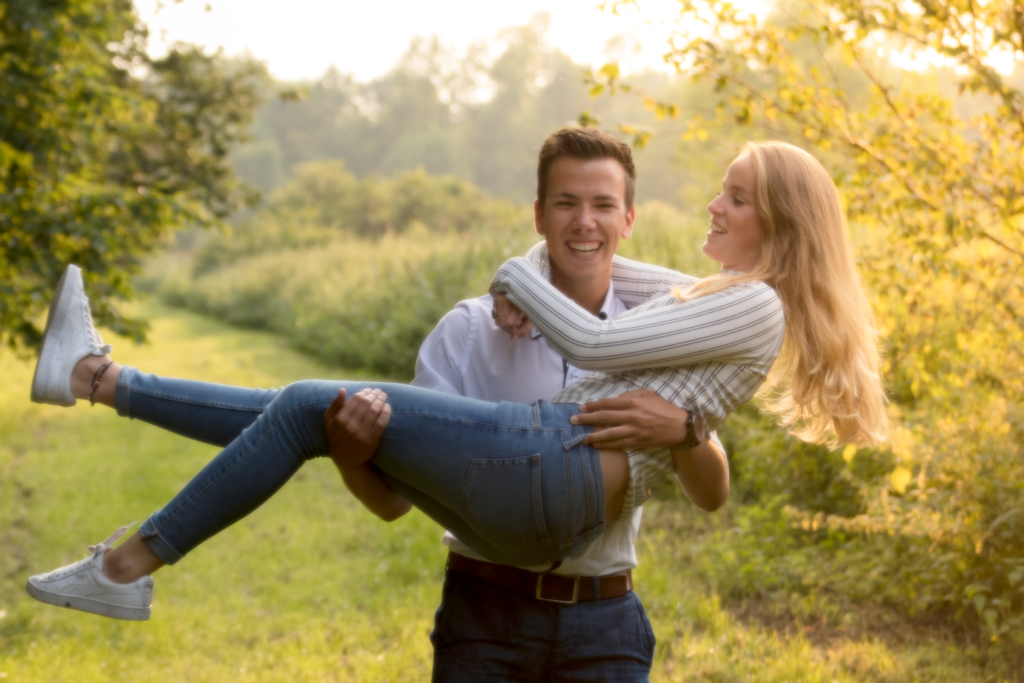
x,y
931,184
103,150
329,195
354,271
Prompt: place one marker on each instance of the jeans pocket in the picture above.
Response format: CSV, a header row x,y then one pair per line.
x,y
503,499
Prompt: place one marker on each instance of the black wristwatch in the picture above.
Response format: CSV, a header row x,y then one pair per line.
x,y
693,439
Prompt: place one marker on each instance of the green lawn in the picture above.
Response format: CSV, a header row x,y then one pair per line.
x,y
311,587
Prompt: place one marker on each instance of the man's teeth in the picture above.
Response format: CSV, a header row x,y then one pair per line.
x,y
585,249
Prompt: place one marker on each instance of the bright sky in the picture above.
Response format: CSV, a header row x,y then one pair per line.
x,y
300,39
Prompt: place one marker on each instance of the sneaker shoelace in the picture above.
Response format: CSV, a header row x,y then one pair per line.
x,y
98,347
94,550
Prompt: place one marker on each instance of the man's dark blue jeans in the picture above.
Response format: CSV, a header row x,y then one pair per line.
x,y
483,632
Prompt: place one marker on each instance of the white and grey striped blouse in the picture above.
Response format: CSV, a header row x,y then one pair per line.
x,y
709,354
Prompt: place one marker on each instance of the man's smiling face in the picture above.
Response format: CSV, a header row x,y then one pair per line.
x,y
583,218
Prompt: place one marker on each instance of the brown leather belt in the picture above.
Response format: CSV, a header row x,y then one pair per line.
x,y
548,587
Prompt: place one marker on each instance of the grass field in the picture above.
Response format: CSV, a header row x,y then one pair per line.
x,y
313,588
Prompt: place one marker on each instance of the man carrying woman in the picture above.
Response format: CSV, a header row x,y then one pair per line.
x,y
497,622
515,482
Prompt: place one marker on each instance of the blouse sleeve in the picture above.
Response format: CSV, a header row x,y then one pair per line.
x,y
736,325
635,282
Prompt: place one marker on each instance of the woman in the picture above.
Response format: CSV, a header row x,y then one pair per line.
x,y
513,481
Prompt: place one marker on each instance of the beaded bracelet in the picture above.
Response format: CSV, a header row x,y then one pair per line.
x,y
96,380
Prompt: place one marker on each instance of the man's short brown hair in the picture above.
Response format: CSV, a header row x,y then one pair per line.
x,y
584,144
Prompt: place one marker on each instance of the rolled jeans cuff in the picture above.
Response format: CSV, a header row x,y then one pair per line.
x,y
158,544
122,393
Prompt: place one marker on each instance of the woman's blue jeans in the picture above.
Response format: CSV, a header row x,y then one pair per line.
x,y
512,481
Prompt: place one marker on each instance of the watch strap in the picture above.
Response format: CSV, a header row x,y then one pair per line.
x,y
692,438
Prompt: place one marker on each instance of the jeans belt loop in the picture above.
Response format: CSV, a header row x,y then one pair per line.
x,y
575,590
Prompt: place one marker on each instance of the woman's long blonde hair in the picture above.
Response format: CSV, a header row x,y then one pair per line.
x,y
825,385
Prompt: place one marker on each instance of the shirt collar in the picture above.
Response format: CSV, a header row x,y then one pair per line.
x,y
606,309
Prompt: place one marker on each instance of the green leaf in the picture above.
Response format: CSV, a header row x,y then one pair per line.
x,y
979,602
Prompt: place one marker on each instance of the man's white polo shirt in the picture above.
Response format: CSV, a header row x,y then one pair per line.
x,y
466,354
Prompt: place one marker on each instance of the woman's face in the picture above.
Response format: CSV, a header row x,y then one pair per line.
x,y
734,239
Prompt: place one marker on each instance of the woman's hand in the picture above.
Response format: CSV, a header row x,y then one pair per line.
x,y
636,419
509,318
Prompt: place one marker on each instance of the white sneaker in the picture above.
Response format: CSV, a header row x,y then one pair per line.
x,y
82,586
69,337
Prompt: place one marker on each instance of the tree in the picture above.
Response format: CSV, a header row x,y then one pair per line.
x,y
932,183
104,149
479,114
907,160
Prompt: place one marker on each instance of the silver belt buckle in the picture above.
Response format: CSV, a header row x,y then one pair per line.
x,y
575,591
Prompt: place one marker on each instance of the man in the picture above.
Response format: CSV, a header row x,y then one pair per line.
x,y
579,619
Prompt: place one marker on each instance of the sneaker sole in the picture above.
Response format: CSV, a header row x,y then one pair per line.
x,y
49,352
104,609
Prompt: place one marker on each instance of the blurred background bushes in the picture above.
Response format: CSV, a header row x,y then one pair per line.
x,y
358,271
